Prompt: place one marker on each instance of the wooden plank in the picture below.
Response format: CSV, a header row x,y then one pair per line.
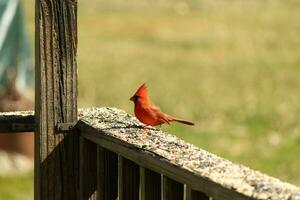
x,y
56,154
107,175
13,122
150,184
120,178
171,190
88,169
128,180
194,195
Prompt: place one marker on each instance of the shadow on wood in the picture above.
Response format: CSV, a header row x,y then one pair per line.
x,y
59,171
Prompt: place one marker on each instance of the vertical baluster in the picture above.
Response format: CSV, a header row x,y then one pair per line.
x,y
128,179
142,184
171,190
150,184
107,172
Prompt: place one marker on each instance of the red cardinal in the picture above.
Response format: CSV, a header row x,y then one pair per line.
x,y
148,113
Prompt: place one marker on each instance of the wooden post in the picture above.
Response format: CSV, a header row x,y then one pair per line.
x,y
56,153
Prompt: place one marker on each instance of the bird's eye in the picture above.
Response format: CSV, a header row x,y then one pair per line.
x,y
135,98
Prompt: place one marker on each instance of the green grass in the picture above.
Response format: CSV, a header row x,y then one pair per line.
x,y
232,67
17,187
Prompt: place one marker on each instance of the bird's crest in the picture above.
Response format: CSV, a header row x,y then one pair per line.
x,y
142,91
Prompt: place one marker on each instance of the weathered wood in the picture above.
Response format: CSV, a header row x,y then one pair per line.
x,y
56,155
128,180
107,175
194,195
218,178
150,184
13,122
171,190
157,163
88,169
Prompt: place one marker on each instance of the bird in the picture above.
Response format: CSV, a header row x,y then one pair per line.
x,y
146,112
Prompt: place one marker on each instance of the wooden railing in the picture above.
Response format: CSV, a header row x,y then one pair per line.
x,y
119,158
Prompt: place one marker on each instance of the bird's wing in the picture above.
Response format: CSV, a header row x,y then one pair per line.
x,y
157,114
152,110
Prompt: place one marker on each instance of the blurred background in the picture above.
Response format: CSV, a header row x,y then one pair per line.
x,y
16,93
231,66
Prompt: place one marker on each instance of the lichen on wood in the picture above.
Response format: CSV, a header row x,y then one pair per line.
x,y
119,125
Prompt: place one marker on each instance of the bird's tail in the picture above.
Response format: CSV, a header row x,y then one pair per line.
x,y
184,122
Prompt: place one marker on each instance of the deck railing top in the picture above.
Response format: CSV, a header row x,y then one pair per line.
x,y
192,162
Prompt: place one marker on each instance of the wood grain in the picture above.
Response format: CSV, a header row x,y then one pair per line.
x,y
56,154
